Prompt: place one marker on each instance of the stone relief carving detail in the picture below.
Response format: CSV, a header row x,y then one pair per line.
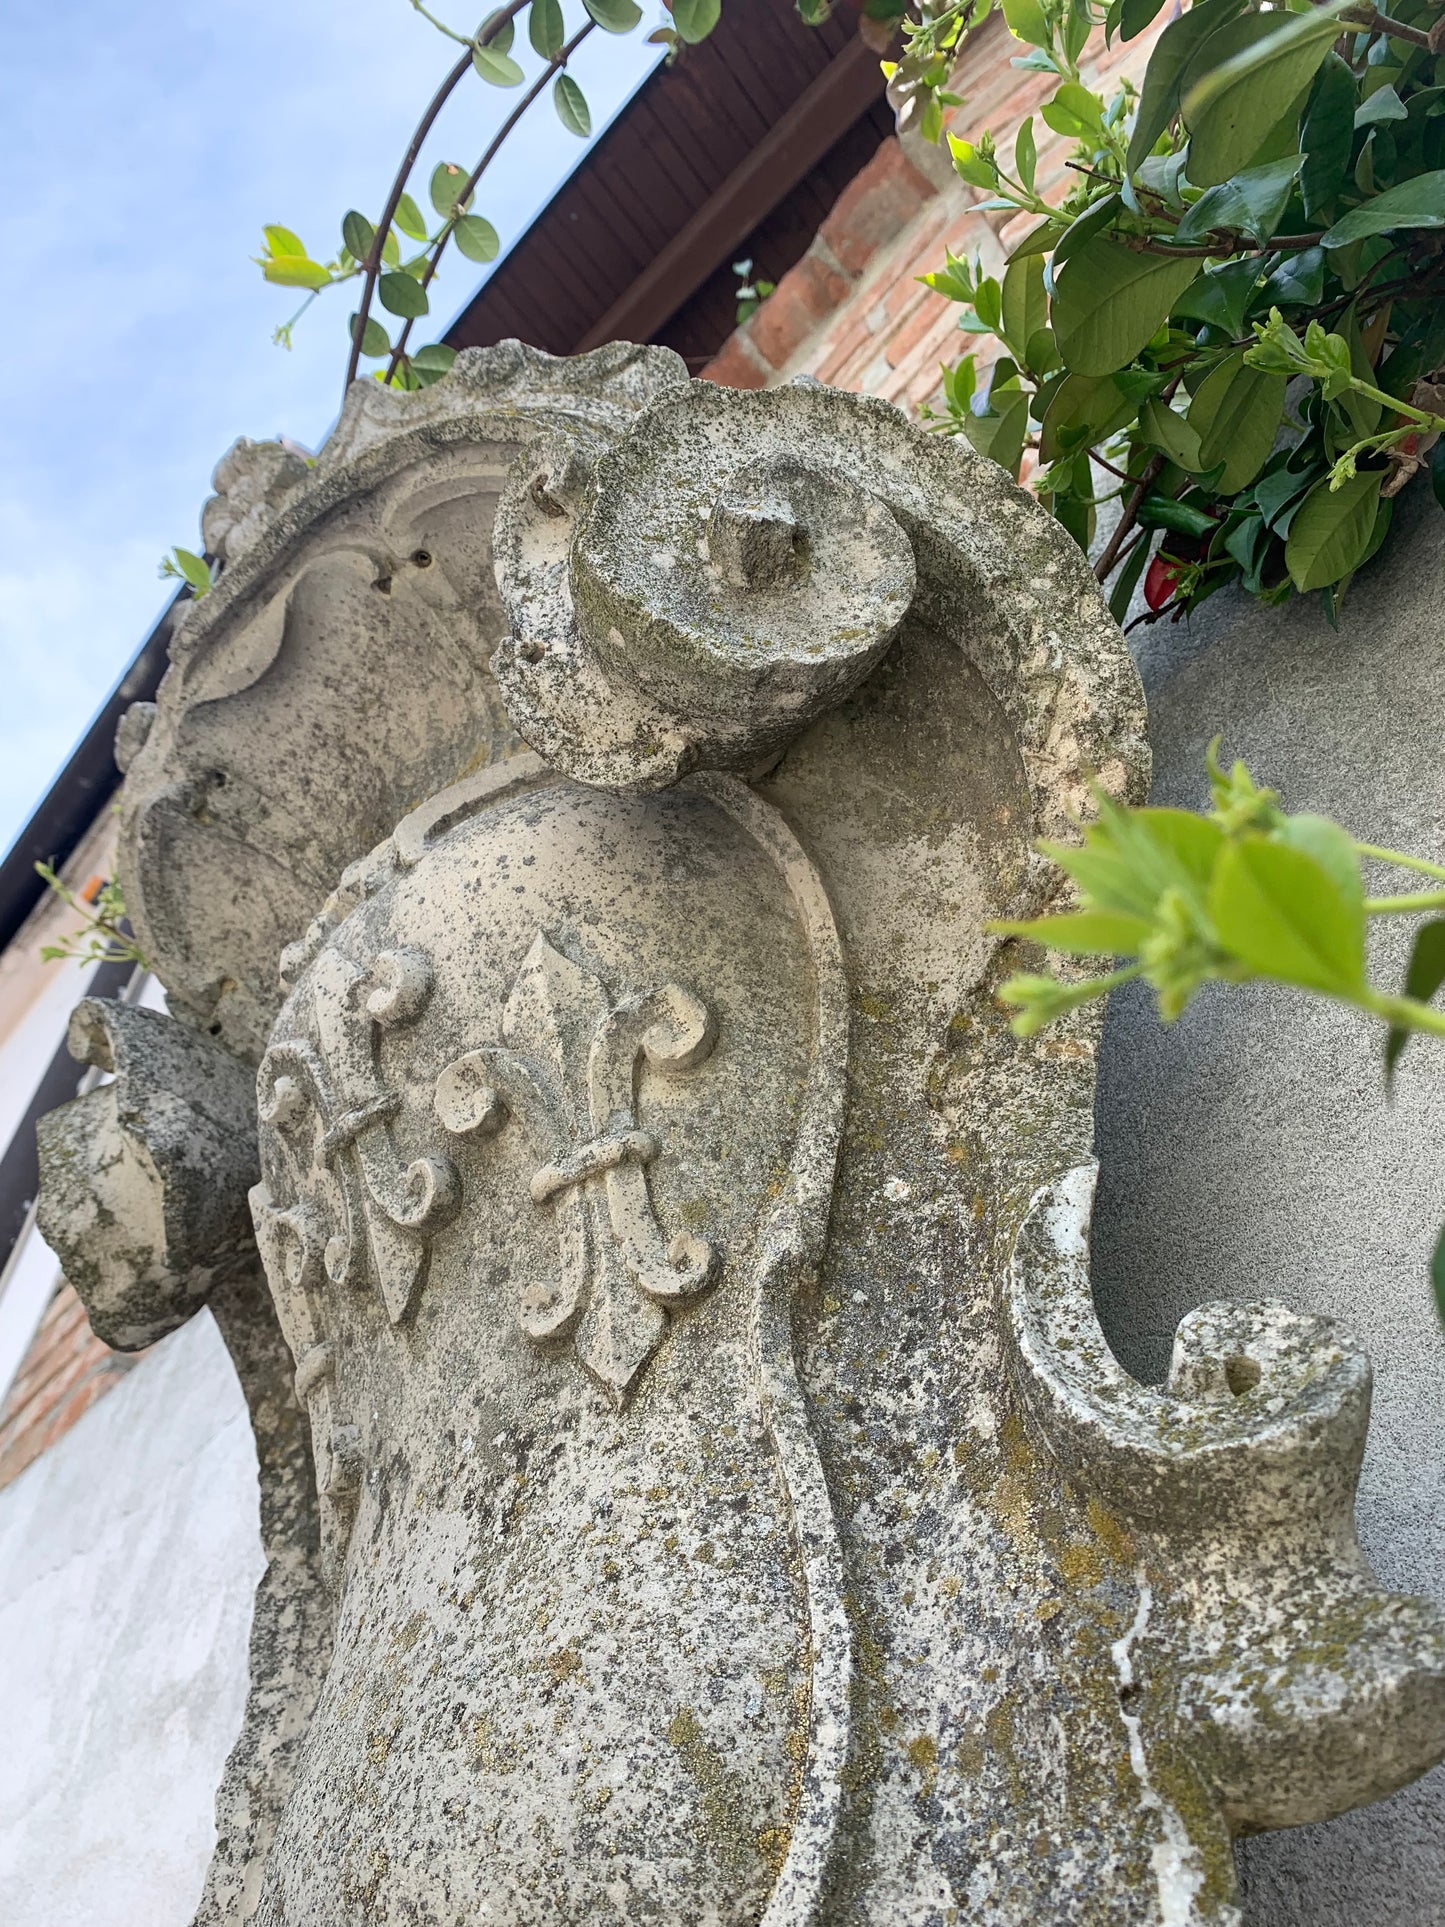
x,y
878,1591
144,1178
388,1206
1311,1687
566,1074
334,572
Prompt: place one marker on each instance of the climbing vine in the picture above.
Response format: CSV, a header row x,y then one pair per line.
x,y
1230,328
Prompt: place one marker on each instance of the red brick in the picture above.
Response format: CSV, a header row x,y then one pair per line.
x,y
875,207
933,311
735,365
847,333
806,295
63,1374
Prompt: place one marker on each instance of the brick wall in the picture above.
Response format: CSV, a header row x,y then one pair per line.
x,y
64,1372
852,312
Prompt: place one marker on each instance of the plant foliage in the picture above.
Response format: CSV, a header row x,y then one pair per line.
x,y
1241,892
1232,323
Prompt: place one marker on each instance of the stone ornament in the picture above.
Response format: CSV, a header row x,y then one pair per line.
x,y
731,1510
358,585
145,1176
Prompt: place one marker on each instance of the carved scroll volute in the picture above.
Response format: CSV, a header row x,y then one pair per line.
x,y
143,1180
601,1118
1310,1688
358,585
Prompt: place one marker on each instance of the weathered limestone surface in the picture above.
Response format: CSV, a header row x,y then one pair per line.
x,y
1251,1150
730,1508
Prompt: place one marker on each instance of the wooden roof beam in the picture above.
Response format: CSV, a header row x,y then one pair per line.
x,y
822,114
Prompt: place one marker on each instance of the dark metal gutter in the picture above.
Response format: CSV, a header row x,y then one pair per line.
x,y
81,790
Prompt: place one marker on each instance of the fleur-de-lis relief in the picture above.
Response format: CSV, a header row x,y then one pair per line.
x,y
566,1073
387,1207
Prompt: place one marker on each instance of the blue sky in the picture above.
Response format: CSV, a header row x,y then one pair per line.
x,y
142,148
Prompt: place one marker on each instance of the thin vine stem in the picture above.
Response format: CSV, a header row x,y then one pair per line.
x,y
1404,906
439,100
1401,860
554,66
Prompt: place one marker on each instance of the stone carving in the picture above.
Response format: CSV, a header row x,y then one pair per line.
x,y
145,1177
851,1580
565,1073
387,1207
368,571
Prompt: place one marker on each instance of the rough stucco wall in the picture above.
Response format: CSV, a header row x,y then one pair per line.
x,y
128,1557
1249,1152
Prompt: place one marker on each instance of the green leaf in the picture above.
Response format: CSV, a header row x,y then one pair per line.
x,y
545,28
1180,41
1129,858
970,165
409,218
429,364
1109,300
390,249
695,19
1024,307
403,294
1085,227
1000,434
1332,848
1026,156
1136,15
476,238
1082,411
1127,580
1221,296
375,341
497,69
295,271
1419,203
1025,21
1074,111
194,568
1277,492
572,108
447,182
1282,914
1383,104
1327,132
614,16
1039,240
1170,433
497,31
1083,933
1236,411
1298,281
1330,534
1422,977
279,241
1239,89
358,234
1252,203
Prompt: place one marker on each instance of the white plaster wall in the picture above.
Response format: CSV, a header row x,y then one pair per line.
x,y
129,1554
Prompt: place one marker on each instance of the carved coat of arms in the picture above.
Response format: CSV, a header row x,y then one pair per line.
x,y
730,1509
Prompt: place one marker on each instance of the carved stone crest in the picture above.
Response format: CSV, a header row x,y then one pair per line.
x,y
731,1508
565,1074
